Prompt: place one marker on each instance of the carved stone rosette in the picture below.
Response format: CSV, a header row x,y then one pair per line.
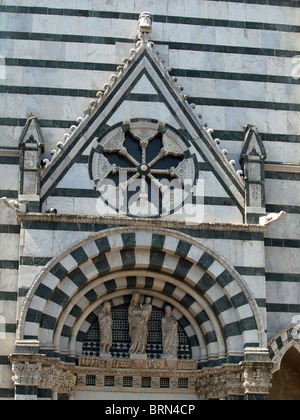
x,y
142,171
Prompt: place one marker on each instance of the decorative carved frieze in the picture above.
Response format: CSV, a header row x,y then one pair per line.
x,y
168,364
127,375
234,380
246,378
36,370
58,380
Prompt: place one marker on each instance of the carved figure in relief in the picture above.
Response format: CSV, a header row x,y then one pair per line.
x,y
105,324
147,309
170,335
138,318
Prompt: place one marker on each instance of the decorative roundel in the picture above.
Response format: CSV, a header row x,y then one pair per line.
x,y
142,168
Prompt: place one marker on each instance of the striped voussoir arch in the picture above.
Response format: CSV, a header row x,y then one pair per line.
x,y
211,300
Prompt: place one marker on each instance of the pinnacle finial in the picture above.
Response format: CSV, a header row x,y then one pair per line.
x,y
145,26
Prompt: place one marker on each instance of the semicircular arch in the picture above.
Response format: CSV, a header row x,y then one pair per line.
x,y
200,280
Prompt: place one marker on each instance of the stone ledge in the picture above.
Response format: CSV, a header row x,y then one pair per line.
x,y
128,221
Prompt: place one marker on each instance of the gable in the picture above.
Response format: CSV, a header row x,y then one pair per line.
x,y
253,144
144,91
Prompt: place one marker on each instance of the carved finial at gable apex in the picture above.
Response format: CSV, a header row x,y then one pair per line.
x,y
145,27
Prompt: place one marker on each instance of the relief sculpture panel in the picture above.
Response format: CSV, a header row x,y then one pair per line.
x,y
136,331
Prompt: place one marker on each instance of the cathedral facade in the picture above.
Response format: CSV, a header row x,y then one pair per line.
x,y
149,208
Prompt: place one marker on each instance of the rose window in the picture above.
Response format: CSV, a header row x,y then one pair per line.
x,y
142,169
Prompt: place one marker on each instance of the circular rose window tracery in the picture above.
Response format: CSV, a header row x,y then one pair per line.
x,y
142,169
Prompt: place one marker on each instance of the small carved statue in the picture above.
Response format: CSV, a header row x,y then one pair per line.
x,y
105,324
138,319
147,309
170,335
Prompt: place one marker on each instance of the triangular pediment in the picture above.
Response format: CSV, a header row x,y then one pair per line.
x,y
143,90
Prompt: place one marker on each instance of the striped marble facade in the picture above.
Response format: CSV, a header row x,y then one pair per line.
x,y
233,286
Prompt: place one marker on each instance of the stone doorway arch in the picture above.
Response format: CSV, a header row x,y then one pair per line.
x,y
284,350
218,311
286,380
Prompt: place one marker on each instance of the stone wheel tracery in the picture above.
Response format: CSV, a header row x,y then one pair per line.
x,y
142,169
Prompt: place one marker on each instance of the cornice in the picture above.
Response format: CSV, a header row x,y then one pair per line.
x,y
133,222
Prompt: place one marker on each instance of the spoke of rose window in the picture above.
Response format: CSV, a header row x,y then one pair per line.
x,y
144,186
129,170
169,172
161,154
125,153
125,185
162,187
144,145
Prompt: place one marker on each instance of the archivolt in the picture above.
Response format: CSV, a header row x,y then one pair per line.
x,y
222,313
